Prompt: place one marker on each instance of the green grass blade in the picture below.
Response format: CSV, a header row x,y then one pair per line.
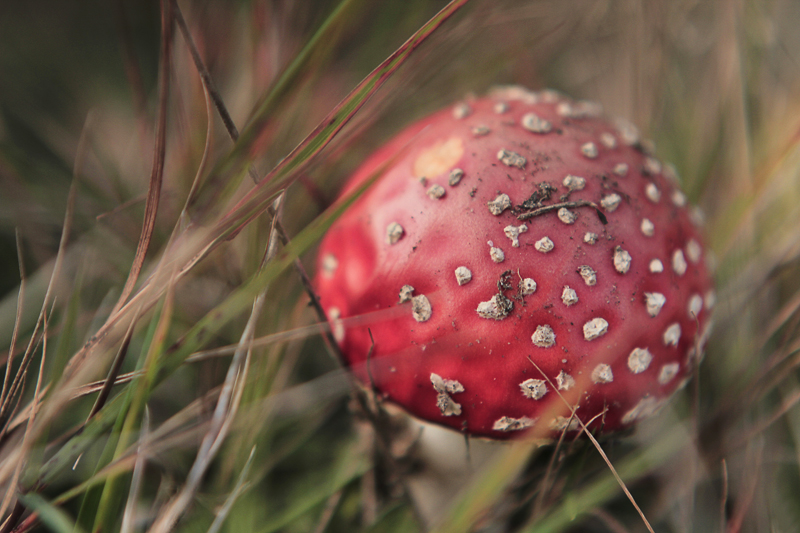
x,y
51,516
227,177
113,491
320,43
243,297
257,199
219,520
348,107
398,518
351,466
657,453
93,432
92,492
481,495
283,174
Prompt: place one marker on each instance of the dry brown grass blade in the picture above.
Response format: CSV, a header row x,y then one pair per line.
x,y
762,178
203,161
205,76
17,318
233,132
181,430
133,70
302,332
619,479
321,136
544,485
599,450
613,525
781,410
185,428
157,172
113,373
751,477
22,450
212,92
327,512
224,414
723,501
200,244
16,385
121,207
781,317
138,301
79,392
226,409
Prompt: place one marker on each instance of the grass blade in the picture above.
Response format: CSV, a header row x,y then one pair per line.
x,y
140,393
53,517
17,317
351,467
341,114
594,494
157,172
136,480
240,486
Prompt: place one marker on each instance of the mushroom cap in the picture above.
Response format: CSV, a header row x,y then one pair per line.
x,y
602,293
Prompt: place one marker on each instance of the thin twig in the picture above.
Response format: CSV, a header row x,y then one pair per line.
x,y
554,207
208,85
599,450
233,132
301,332
121,207
543,487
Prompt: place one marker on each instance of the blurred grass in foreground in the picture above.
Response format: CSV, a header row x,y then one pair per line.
x,y
210,432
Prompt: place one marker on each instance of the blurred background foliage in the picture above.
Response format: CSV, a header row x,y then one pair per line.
x,y
714,83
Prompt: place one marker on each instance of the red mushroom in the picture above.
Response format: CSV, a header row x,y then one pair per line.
x,y
533,245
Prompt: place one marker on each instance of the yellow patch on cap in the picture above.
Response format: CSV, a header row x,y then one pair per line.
x,y
439,158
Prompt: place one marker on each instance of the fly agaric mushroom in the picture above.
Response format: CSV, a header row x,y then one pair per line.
x,y
535,246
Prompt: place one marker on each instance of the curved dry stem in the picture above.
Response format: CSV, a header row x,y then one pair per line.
x,y
599,450
157,172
